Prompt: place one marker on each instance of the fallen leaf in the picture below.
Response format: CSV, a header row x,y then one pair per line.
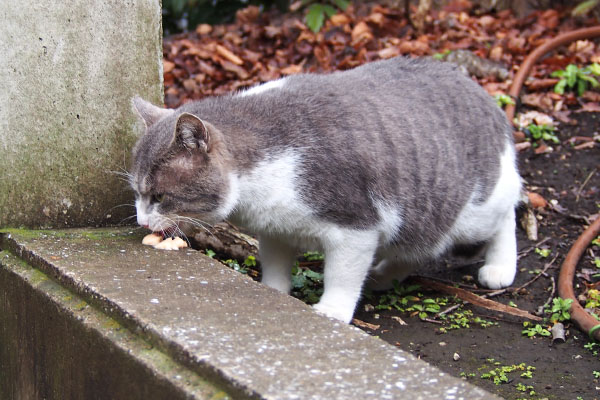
x,y
225,53
388,52
536,200
168,66
361,32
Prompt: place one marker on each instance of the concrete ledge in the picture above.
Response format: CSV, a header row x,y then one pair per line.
x,y
175,325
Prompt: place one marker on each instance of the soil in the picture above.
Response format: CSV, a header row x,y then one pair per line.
x,y
562,370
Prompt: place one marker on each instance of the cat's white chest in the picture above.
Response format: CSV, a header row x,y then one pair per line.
x,y
267,196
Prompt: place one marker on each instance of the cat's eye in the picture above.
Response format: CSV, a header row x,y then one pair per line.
x,y
157,198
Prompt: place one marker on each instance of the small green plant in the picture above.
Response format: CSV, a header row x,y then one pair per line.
x,y
534,330
313,256
560,309
596,374
526,388
593,299
543,252
315,16
463,320
307,285
210,253
503,99
499,375
576,78
543,132
442,55
593,347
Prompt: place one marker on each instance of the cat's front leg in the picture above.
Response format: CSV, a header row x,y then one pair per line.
x,y
348,258
276,259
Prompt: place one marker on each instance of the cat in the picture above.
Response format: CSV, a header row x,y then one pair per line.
x,y
382,168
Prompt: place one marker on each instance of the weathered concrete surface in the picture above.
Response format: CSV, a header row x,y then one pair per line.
x,y
249,339
68,72
54,345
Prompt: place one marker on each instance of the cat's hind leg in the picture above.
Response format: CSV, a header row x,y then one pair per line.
x,y
276,258
348,258
501,255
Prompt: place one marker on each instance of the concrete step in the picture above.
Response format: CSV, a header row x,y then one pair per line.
x,y
95,314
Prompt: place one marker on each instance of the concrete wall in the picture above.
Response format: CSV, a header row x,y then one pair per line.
x,y
68,71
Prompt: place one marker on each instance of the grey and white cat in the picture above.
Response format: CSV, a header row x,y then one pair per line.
x,y
382,167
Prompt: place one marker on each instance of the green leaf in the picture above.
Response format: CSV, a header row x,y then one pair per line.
x,y
329,10
315,276
558,74
560,86
584,7
298,281
571,74
594,68
341,4
589,79
250,261
315,17
210,253
581,86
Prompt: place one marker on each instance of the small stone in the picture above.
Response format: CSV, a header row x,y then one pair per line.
x,y
442,344
369,307
456,357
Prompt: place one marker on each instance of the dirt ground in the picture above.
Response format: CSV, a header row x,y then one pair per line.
x,y
562,370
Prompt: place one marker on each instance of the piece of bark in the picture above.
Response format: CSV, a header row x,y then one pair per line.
x,y
225,238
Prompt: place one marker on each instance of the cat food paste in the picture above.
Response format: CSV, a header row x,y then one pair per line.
x,y
171,243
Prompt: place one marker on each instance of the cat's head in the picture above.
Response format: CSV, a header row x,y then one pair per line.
x,y
180,169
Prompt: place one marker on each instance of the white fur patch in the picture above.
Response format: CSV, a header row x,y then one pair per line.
x,y
276,84
268,198
478,222
232,198
390,221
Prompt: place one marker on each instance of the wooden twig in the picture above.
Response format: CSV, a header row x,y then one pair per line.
x,y
543,272
540,309
583,185
364,324
475,299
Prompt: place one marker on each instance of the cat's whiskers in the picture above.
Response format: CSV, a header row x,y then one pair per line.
x,y
128,218
195,222
177,230
123,175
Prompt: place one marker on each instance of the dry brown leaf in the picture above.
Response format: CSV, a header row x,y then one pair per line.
x,y
231,67
388,52
361,32
203,29
536,200
227,54
292,69
248,14
339,19
168,66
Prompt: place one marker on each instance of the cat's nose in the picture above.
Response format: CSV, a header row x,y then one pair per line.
x,y
145,226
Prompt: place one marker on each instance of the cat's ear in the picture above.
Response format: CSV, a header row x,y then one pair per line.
x,y
148,111
192,132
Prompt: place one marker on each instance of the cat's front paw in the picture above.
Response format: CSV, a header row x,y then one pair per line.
x,y
496,276
343,314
